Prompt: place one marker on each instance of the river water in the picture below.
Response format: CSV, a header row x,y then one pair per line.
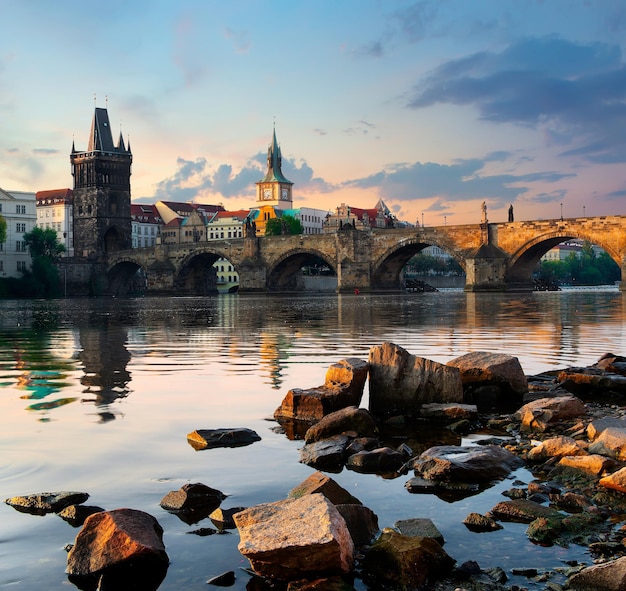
x,y
99,395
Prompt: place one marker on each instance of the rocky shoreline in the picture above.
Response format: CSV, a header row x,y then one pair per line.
x,y
567,428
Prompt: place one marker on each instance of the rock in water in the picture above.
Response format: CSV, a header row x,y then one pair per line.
x,y
400,383
120,549
295,538
46,502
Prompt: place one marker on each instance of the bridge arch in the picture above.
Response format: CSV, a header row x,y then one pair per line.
x,y
387,268
126,275
196,274
525,258
284,273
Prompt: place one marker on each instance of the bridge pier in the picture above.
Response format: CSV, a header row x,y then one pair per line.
x,y
486,269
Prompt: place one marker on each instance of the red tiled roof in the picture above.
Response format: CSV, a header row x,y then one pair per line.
x,y
54,196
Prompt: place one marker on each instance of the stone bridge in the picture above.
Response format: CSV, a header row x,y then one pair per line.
x,y
495,256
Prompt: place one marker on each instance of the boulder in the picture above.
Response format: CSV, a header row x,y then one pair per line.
x,y
328,454
449,413
612,363
192,502
419,527
383,460
611,442
295,538
543,413
615,481
593,464
119,549
589,381
400,383
610,576
343,387
212,438
223,518
75,515
556,447
480,523
482,368
395,561
522,511
595,427
362,523
320,483
46,502
351,418
477,464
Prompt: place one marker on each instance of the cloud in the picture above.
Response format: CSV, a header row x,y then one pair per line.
x,y
463,180
190,61
45,151
239,39
574,93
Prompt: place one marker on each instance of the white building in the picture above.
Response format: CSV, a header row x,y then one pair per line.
x,y
227,224
145,224
54,211
312,220
18,210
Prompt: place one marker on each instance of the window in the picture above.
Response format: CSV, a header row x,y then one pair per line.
x,y
20,246
19,227
20,209
21,265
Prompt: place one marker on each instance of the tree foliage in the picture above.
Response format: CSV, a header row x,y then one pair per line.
x,y
284,225
3,230
42,280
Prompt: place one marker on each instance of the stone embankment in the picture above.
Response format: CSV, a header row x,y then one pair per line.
x,y
567,428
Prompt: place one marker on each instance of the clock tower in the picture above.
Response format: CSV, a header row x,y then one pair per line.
x,y
274,189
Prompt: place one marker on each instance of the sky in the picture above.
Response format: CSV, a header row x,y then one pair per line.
x,y
433,106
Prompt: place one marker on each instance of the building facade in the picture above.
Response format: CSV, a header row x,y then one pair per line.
x,y
54,212
146,225
101,211
18,210
378,216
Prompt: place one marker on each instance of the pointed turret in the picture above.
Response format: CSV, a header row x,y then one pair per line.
x,y
120,143
274,164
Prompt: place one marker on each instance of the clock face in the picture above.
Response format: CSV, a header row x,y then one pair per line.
x,y
267,193
285,194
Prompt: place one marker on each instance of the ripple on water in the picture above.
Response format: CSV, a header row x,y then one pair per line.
x,y
18,464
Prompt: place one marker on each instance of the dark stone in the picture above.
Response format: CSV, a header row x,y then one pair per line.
x,y
383,460
226,579
328,454
362,523
192,502
351,418
75,515
47,502
212,438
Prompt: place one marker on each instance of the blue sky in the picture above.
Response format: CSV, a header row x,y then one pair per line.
x,y
433,106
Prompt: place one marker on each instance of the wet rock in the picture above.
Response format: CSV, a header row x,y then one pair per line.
x,y
419,527
343,387
47,502
447,491
556,447
571,502
223,518
593,464
611,442
383,460
120,549
362,523
595,427
400,383
589,381
449,413
480,523
325,584
295,538
522,511
612,363
610,576
504,372
320,483
615,481
541,414
396,561
212,438
328,454
479,464
192,502
75,515
350,418
226,579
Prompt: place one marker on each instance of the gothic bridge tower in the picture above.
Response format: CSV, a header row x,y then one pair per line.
x,y
102,221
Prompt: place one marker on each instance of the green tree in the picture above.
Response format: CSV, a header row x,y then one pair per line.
x,y
284,225
42,280
3,230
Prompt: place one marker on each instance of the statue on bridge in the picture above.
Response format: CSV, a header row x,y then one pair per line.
x,y
249,229
511,218
484,209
